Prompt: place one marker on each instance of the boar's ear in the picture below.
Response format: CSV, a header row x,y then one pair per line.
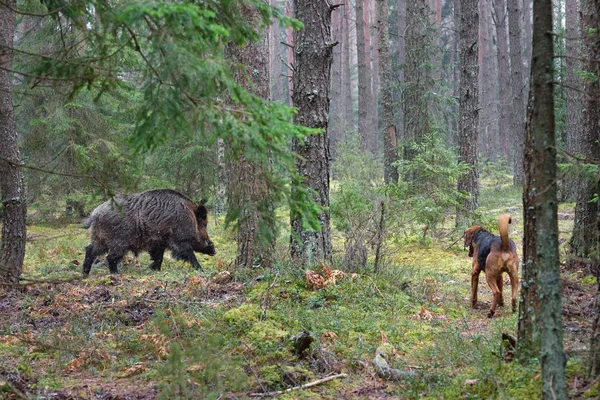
x,y
202,202
201,213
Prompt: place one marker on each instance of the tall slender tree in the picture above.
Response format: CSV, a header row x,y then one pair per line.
x,y
590,23
469,107
12,190
515,28
313,56
574,98
385,70
584,240
248,189
364,78
504,93
542,204
417,79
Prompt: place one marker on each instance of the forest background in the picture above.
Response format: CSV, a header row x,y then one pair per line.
x,y
410,122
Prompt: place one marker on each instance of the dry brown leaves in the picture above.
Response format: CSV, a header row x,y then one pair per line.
x,y
426,315
320,279
86,358
159,342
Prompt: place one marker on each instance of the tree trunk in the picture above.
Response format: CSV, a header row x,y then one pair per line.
x,y
590,23
248,191
500,20
574,98
541,171
313,55
515,27
469,103
364,81
390,151
584,241
348,93
416,77
488,144
399,70
336,104
12,247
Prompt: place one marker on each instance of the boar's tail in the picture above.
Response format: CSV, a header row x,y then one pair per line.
x,y
89,221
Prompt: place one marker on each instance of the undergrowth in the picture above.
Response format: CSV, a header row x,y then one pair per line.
x,y
222,333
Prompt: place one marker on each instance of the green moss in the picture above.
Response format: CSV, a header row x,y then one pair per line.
x,y
589,280
244,315
267,333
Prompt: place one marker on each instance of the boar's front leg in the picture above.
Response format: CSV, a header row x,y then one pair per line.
x,y
185,252
156,254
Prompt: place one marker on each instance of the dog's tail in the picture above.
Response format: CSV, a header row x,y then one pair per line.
x,y
503,222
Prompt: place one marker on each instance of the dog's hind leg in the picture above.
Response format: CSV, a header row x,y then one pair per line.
x,y
514,283
493,284
500,283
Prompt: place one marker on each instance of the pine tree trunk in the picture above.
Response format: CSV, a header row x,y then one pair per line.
x,y
364,82
584,241
348,94
469,104
12,247
542,171
500,21
590,23
336,104
515,27
313,55
488,144
399,70
248,191
416,78
574,98
385,70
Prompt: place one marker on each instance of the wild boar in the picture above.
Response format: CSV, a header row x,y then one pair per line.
x,y
152,221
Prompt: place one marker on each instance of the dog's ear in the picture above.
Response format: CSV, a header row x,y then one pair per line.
x,y
469,235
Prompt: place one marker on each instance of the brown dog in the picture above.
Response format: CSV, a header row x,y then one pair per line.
x,y
493,255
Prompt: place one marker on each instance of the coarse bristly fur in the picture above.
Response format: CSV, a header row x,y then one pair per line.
x,y
493,255
152,221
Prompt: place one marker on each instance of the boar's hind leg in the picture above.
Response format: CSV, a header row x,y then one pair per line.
x,y
156,254
186,253
113,258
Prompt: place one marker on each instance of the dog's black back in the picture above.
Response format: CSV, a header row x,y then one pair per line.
x,y
485,241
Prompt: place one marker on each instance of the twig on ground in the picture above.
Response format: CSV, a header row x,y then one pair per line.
x,y
305,386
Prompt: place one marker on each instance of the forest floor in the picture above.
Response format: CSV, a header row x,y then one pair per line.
x,y
178,333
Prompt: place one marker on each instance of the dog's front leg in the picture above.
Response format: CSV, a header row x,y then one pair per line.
x,y
474,284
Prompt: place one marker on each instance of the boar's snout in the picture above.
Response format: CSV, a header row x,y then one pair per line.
x,y
208,248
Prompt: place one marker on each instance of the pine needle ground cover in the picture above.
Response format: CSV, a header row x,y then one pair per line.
x,y
222,333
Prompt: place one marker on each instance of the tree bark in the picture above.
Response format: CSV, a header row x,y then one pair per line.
x,y
543,196
364,81
574,98
469,104
12,190
488,144
248,191
584,240
336,104
515,27
500,20
416,77
313,55
390,151
590,23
